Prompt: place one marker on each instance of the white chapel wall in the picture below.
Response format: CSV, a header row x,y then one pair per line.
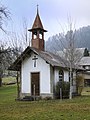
x,y
52,79
66,76
42,67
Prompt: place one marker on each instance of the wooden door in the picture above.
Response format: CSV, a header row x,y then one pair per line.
x,y
35,84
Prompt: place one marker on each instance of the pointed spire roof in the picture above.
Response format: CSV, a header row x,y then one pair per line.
x,y
37,22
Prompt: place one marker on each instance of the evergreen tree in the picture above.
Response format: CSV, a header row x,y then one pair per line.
x,y
86,52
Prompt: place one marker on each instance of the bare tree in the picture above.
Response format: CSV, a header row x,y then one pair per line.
x,y
18,43
4,15
70,52
5,59
20,40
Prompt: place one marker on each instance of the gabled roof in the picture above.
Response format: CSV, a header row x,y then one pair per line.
x,y
53,59
85,61
50,58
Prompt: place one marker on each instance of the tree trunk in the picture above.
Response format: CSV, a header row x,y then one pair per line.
x,y
60,93
70,94
0,81
18,90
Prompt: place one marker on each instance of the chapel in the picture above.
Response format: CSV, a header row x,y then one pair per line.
x,y
40,70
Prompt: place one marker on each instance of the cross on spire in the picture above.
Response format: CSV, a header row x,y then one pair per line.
x,y
37,8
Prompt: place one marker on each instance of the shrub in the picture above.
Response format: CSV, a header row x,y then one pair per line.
x,y
79,83
65,89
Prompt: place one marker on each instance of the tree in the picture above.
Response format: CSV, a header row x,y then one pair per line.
x,y
4,14
70,52
18,43
86,52
5,59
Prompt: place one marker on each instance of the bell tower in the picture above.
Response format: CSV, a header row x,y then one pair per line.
x,y
37,30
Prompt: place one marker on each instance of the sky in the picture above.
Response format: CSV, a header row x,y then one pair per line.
x,y
54,14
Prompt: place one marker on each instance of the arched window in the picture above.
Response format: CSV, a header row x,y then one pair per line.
x,y
40,34
60,75
34,35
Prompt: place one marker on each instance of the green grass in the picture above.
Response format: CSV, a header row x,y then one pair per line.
x,y
8,79
76,109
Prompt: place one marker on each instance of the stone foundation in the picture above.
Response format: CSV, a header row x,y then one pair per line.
x,y
24,94
42,95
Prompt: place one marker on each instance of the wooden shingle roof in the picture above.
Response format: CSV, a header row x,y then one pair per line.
x,y
37,23
52,59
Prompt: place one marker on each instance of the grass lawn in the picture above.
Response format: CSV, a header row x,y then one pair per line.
x,y
9,79
76,109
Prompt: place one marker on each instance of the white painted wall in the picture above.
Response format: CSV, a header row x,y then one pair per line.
x,y
86,76
56,77
52,79
48,76
42,67
66,76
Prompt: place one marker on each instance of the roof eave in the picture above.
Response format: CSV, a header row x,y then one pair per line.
x,y
36,28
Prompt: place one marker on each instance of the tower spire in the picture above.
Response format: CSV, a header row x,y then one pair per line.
x,y
37,33
37,9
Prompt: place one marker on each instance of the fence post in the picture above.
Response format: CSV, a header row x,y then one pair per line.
x,y
60,93
34,91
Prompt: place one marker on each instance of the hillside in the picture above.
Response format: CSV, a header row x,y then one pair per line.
x,y
82,39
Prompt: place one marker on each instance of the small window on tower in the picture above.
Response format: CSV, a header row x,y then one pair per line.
x,y
35,35
40,34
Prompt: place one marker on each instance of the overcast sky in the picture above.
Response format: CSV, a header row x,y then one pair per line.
x,y
54,13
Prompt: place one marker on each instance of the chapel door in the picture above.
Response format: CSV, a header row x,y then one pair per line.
x,y
35,84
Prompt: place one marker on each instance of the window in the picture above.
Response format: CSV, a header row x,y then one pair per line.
x,y
86,67
87,82
40,34
34,35
61,75
34,61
